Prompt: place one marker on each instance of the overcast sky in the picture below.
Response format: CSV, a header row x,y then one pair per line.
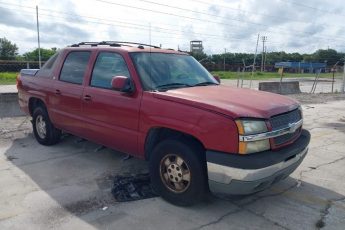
x,y
290,25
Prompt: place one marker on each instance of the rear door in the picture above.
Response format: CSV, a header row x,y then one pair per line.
x,y
68,90
111,117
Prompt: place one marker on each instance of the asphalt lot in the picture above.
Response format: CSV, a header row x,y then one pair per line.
x,y
67,186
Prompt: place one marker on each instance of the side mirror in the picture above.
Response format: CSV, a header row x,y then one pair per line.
x,y
217,78
122,84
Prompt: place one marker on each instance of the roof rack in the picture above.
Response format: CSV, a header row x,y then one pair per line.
x,y
114,44
95,44
134,43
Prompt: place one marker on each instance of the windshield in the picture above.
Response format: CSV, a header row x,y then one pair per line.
x,y
161,71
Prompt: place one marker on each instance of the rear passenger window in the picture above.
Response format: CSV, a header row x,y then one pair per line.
x,y
74,67
51,61
106,67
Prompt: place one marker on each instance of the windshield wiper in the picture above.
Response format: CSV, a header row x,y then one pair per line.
x,y
205,83
172,85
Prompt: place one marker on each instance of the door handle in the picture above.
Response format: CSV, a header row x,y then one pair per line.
x,y
57,92
87,98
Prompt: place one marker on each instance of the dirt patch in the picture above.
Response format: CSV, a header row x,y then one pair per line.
x,y
14,128
317,98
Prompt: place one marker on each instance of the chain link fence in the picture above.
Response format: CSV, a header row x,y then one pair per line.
x,y
16,66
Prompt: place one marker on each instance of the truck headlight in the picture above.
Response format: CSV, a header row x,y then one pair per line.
x,y
248,127
251,127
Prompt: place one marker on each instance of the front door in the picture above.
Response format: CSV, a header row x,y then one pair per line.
x,y
112,117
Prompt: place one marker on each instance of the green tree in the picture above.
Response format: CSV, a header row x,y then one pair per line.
x,y
45,54
199,56
8,50
329,56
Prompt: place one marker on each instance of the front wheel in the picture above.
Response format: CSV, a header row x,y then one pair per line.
x,y
44,131
178,172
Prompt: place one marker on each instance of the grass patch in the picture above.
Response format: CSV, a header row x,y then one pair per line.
x,y
268,75
8,78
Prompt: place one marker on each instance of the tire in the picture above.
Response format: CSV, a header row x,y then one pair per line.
x,y
170,178
44,131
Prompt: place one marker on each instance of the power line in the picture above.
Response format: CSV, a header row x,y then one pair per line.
x,y
210,37
138,28
224,37
310,7
74,15
198,12
161,12
127,27
247,11
271,16
132,25
267,15
198,19
213,15
117,21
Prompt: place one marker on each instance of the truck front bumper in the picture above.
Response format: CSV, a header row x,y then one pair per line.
x,y
246,174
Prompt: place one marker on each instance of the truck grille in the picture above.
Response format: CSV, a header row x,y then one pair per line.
x,y
286,137
283,121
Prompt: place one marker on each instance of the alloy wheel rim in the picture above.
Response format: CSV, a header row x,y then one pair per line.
x,y
41,126
175,173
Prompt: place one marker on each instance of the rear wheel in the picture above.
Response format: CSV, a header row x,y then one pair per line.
x,y
178,172
44,131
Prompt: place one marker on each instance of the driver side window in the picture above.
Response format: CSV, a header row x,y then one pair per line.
x,y
106,67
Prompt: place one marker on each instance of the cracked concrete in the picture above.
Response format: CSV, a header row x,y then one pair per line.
x,y
67,185
218,220
321,223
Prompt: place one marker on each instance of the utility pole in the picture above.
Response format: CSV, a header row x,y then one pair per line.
x,y
264,39
38,39
253,69
333,72
150,34
224,59
343,85
265,57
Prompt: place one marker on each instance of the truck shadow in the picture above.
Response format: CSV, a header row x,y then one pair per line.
x,y
79,179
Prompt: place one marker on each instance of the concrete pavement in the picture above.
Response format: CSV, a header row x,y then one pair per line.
x,y
67,186
9,101
8,89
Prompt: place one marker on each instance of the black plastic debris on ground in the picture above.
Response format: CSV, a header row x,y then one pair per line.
x,y
130,188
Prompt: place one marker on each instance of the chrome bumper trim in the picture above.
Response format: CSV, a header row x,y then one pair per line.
x,y
224,174
262,136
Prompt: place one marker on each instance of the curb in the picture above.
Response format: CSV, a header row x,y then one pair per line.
x,y
9,106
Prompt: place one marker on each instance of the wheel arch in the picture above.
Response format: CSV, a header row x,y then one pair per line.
x,y
35,102
157,134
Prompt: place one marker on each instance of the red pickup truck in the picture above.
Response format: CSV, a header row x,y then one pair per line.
x,y
163,106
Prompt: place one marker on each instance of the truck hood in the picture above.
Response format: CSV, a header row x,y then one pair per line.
x,y
231,101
